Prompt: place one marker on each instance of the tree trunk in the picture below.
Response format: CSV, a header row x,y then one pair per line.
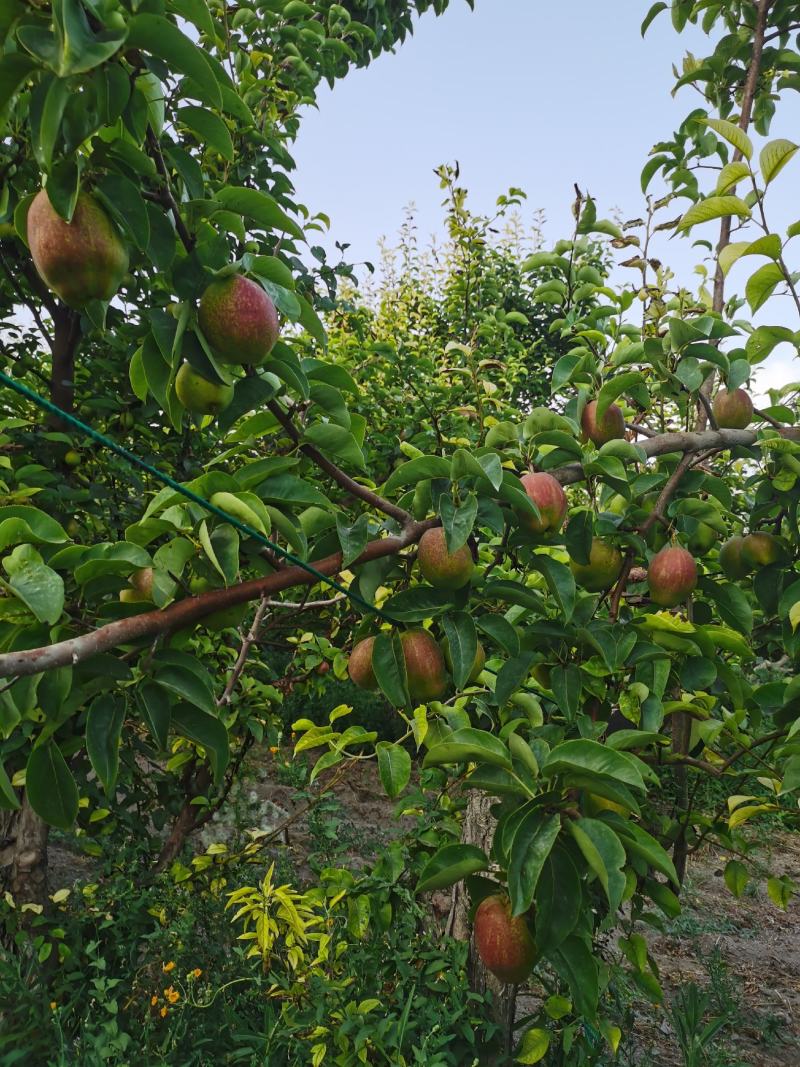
x,y
62,382
478,829
186,819
23,854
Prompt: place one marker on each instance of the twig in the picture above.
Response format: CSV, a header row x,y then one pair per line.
x,y
154,149
344,480
244,652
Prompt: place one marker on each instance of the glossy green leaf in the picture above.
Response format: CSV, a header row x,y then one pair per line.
x,y
590,756
162,38
259,207
733,134
714,207
205,730
462,642
389,665
103,728
394,767
50,787
469,744
531,845
450,865
774,157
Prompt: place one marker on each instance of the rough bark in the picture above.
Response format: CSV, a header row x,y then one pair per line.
x,y
478,829
23,854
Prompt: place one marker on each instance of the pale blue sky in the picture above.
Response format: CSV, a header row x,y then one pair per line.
x,y
522,93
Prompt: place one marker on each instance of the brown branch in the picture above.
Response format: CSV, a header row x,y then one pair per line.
x,y
748,98
154,150
191,610
247,643
344,480
663,444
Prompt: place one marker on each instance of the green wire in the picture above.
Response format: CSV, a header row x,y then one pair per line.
x,y
134,460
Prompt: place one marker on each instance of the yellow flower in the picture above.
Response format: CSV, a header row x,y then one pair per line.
x,y
153,1001
273,749
172,995
53,1005
163,1013
197,972
168,967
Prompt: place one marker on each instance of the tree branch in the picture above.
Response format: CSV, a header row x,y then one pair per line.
x,y
344,480
154,149
191,610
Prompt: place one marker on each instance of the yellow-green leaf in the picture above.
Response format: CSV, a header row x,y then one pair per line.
x,y
733,134
533,1047
714,207
774,157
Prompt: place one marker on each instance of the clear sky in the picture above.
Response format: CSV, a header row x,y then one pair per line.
x,y
520,92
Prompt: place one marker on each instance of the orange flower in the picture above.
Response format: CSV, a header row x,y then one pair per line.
x,y
153,1001
168,967
172,995
163,1013
197,972
273,749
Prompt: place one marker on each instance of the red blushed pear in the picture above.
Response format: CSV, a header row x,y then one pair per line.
x,y
672,575
732,410
238,320
611,427
504,944
359,666
548,496
425,668
81,260
442,568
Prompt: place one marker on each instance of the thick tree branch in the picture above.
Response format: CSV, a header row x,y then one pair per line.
x,y
344,480
663,444
191,610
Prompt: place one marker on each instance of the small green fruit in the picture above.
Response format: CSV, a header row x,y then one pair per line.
x,y
198,394
602,570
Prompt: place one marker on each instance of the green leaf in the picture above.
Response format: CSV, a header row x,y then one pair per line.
x,y
559,900
210,129
654,11
500,631
8,798
560,581
774,157
417,470
615,388
389,665
736,877
103,728
336,441
40,588
155,706
468,744
641,843
196,12
14,69
205,730
394,767
260,207
458,522
449,865
188,685
511,676
534,1044
590,756
123,198
604,853
50,122
462,640
730,174
418,603
353,539
162,38
733,134
761,285
713,207
531,845
574,962
50,787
